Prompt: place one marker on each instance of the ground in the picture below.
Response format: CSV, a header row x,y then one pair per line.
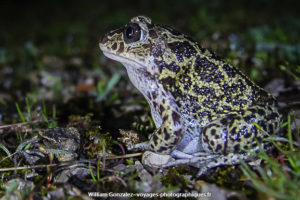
x,y
53,74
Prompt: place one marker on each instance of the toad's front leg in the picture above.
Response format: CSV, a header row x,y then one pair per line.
x,y
164,139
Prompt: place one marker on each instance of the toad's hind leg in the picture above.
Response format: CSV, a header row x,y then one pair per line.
x,y
228,136
205,162
229,159
232,133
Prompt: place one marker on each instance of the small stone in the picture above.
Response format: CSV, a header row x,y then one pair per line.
x,y
66,139
21,186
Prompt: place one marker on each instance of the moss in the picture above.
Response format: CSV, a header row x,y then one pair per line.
x,y
174,178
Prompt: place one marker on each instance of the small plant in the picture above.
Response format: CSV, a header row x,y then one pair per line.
x,y
295,73
279,178
28,108
103,89
52,123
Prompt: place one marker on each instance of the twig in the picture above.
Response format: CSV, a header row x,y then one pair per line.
x,y
17,125
31,167
64,164
124,156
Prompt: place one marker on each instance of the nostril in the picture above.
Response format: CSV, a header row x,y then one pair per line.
x,y
103,39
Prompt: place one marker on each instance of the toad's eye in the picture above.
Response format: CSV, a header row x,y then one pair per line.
x,y
133,33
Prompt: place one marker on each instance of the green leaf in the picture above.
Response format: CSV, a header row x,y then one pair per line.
x,y
5,150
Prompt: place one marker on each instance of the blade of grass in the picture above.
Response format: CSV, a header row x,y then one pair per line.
x,y
91,172
27,142
5,150
28,107
290,133
20,113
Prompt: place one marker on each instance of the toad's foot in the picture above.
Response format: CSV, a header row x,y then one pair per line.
x,y
205,162
194,161
229,159
143,146
154,160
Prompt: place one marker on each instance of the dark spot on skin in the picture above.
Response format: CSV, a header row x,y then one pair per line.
x,y
217,137
154,104
114,46
140,54
230,71
205,139
238,118
212,143
271,128
247,135
165,118
152,146
154,94
259,139
168,81
231,119
162,149
161,109
160,65
272,116
155,139
147,46
249,118
226,107
233,131
261,112
224,121
254,145
262,124
149,96
178,133
121,48
236,148
252,110
213,132
219,147
175,117
152,34
167,135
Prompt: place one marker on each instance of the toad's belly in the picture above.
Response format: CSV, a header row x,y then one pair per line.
x,y
191,142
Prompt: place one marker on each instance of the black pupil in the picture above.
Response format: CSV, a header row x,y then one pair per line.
x,y
132,33
129,32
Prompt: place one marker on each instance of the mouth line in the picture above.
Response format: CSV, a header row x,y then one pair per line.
x,y
119,58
